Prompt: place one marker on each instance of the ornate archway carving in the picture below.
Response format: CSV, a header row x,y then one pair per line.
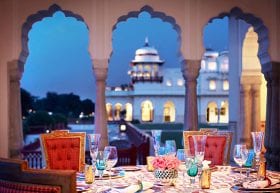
x,y
259,28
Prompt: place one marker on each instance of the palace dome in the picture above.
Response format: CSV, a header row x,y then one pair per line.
x,y
147,54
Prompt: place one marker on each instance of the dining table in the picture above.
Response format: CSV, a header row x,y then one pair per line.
x,y
129,179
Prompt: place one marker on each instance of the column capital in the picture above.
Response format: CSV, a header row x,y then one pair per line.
x,y
15,68
251,79
190,69
100,68
245,88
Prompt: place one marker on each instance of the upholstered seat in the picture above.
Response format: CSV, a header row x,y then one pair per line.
x,y
127,152
16,177
209,130
64,150
217,147
16,187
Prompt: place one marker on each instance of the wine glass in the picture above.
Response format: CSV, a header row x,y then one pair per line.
x,y
93,146
170,147
101,164
199,148
257,141
156,134
191,167
111,155
240,155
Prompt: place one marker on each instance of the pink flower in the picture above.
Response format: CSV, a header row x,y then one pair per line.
x,y
166,162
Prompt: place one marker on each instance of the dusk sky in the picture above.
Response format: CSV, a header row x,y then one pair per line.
x,y
59,60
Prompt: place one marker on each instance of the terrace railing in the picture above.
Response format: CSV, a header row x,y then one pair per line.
x,y
33,158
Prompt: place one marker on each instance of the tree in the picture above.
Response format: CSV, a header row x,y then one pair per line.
x,y
87,106
27,102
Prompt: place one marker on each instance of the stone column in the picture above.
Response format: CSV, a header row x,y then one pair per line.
x,y
190,70
245,114
15,69
100,119
256,120
272,130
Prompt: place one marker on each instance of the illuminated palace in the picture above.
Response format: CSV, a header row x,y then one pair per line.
x,y
157,94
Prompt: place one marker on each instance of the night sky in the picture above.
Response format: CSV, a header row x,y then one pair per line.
x,y
59,60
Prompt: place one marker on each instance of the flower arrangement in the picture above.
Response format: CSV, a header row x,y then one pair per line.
x,y
166,162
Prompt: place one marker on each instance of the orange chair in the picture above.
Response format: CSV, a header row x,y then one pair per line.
x,y
15,177
64,150
217,147
209,130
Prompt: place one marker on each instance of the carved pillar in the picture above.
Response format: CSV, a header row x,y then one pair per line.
x,y
100,120
190,71
15,117
245,114
256,120
272,130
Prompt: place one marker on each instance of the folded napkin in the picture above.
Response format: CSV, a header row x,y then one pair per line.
x,y
258,184
221,190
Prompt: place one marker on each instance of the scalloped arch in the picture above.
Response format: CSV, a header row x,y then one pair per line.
x,y
154,14
259,28
40,15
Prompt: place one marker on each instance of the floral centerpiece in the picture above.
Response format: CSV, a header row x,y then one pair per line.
x,y
166,168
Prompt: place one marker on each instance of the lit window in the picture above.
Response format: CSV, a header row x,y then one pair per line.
x,y
140,67
225,85
224,67
212,66
212,85
168,82
147,68
203,64
118,89
180,82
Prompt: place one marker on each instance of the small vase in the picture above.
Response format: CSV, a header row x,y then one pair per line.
x,y
166,177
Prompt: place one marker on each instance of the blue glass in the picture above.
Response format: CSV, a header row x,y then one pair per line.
x,y
156,134
170,147
193,170
161,151
250,159
100,163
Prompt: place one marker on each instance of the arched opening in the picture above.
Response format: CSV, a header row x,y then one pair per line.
x,y
55,49
251,68
131,31
243,47
117,112
223,112
109,110
169,112
129,112
212,113
147,111
243,81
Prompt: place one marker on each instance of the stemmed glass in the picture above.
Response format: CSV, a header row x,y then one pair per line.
x,y
170,147
191,166
257,141
111,154
93,146
181,154
199,148
156,134
101,163
240,155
